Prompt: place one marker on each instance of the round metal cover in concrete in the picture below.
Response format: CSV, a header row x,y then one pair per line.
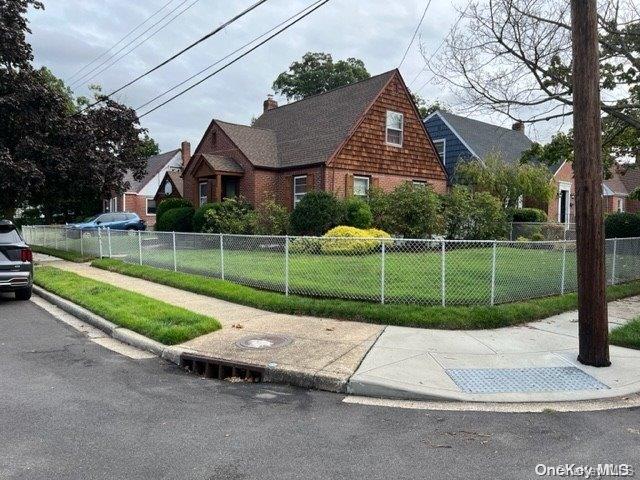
x,y
264,342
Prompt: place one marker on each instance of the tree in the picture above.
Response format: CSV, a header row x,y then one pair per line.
x,y
318,73
425,109
514,57
473,216
508,182
52,154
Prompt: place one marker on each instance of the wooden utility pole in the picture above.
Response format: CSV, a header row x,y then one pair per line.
x,y
587,166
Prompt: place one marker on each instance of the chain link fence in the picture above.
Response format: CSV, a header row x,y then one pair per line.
x,y
537,231
401,271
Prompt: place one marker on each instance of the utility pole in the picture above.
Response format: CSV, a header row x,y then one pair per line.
x,y
587,165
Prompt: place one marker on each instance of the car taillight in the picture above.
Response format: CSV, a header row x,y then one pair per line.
x,y
26,255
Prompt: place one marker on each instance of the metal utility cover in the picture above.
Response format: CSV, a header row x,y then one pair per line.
x,y
263,342
503,380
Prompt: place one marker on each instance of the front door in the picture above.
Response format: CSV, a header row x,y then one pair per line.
x,y
564,194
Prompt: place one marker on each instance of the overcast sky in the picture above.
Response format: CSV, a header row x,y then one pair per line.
x,y
68,34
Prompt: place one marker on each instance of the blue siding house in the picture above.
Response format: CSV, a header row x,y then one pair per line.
x,y
460,138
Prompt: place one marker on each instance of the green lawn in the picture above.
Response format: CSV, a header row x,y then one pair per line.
x,y
627,335
71,256
478,317
154,319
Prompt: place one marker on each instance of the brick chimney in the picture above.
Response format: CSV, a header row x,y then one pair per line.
x,y
269,103
185,150
518,127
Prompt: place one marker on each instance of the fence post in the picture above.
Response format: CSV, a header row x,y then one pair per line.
x,y
443,274
175,259
564,267
613,266
382,274
286,265
100,241
222,256
511,234
81,244
140,246
66,239
493,273
109,240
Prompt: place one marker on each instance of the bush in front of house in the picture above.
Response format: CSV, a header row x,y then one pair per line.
x,y
271,218
168,204
622,225
473,216
346,240
199,216
528,215
232,215
176,220
317,212
357,213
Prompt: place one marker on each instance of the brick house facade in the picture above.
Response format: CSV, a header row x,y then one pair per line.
x,y
344,141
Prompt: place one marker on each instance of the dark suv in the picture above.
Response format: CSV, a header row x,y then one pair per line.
x,y
16,262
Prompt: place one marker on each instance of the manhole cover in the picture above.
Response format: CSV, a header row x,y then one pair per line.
x,y
263,342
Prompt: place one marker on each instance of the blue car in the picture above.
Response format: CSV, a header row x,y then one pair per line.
x,y
114,221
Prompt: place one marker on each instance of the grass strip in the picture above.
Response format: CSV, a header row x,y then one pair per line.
x,y
152,318
452,318
627,335
70,256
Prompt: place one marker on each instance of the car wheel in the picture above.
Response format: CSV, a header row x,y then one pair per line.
x,y
23,294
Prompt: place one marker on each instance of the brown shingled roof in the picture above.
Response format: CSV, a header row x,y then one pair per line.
x,y
218,163
258,145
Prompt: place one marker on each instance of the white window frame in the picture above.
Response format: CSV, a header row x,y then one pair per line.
x,y
146,207
206,195
419,183
443,157
113,205
387,128
361,177
167,188
298,196
564,186
620,204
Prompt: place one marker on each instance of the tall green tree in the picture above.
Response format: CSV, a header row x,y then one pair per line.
x,y
317,73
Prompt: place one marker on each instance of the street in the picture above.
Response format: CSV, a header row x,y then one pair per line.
x,y
70,408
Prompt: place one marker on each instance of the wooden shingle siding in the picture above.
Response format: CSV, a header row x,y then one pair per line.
x,y
366,151
454,148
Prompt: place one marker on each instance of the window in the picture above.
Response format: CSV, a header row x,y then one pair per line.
x,y
419,184
168,188
395,124
441,148
299,188
113,204
621,204
9,234
361,186
202,193
151,206
230,187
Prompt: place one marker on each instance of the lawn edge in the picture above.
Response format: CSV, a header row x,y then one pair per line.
x,y
69,256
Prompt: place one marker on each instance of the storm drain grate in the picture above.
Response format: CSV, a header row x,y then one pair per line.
x,y
220,369
503,380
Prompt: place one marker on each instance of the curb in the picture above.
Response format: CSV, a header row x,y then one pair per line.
x,y
169,353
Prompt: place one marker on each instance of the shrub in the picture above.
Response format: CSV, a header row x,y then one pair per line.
x,y
407,211
317,212
271,218
528,215
537,237
233,215
176,220
622,225
168,204
199,216
357,213
334,244
473,216
522,239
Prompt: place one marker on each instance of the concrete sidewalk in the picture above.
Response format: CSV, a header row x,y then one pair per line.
x,y
535,362
322,353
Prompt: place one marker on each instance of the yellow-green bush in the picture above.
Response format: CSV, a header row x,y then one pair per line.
x,y
361,240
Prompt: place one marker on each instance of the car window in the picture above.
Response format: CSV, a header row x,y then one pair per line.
x,y
9,235
132,216
105,218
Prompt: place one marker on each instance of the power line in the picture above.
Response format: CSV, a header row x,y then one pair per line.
x,y
87,74
235,59
227,56
119,41
424,13
184,50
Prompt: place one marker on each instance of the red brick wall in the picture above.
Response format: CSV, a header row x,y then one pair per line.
x,y
137,204
366,150
564,174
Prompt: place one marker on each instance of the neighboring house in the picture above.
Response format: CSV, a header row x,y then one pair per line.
x,y
171,185
614,194
345,141
139,194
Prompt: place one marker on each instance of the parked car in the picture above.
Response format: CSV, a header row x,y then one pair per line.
x,y
114,221
16,262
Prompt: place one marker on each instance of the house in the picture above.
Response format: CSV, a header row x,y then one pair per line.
x,y
460,139
171,185
344,141
139,195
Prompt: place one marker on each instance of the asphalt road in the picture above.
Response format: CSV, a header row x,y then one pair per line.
x,y
71,409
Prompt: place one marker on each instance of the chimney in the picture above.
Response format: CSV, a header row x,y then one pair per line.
x,y
185,148
269,103
518,127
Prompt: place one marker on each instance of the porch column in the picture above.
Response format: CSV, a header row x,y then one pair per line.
x,y
218,191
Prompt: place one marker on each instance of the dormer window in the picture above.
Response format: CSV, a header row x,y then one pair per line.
x,y
395,126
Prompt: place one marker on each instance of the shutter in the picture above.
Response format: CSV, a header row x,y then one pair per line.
x,y
311,184
288,191
348,185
